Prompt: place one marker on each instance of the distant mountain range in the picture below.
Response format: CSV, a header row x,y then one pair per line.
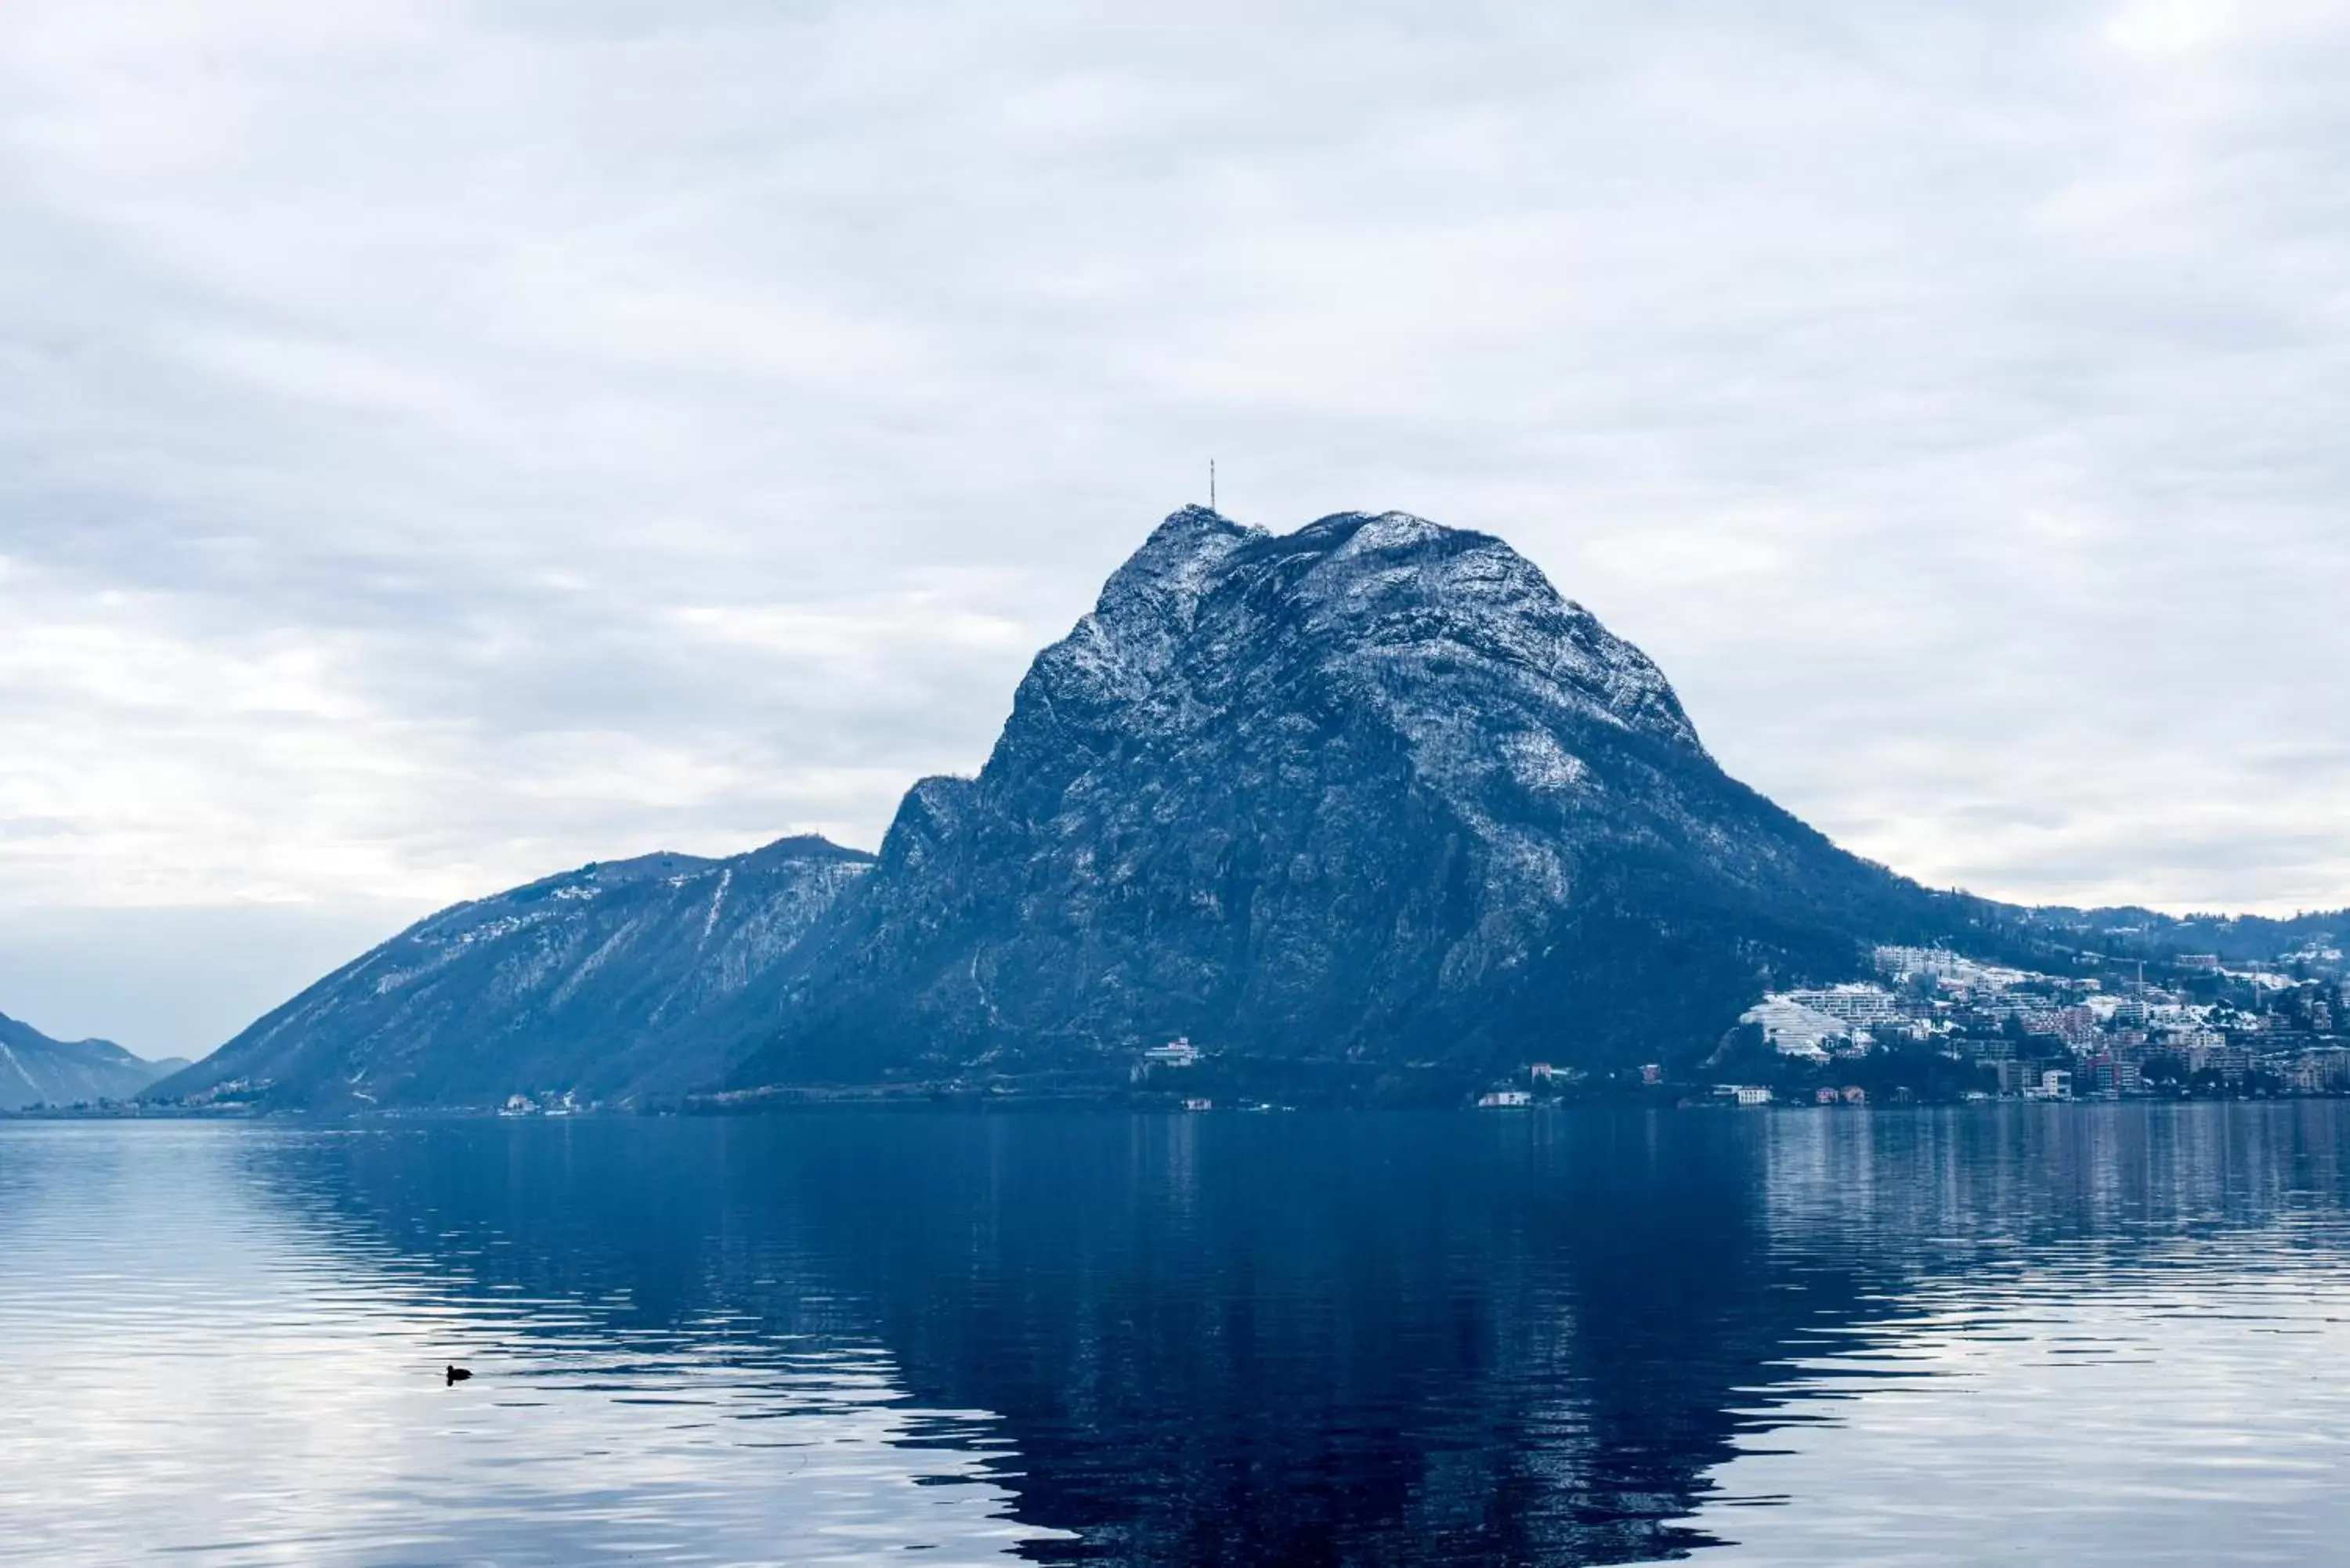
x,y
1368,805
36,1070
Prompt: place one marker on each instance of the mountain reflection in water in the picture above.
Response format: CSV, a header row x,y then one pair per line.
x,y
1276,1338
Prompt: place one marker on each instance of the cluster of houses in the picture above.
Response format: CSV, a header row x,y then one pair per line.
x,y
2212,1028
2041,1036
552,1103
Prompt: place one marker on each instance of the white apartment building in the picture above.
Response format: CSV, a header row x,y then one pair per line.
x,y
1795,1030
1856,1003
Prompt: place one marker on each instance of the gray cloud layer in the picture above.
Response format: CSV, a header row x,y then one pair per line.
x,y
443,442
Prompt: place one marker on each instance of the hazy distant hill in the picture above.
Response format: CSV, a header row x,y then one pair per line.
x,y
557,985
36,1070
2236,939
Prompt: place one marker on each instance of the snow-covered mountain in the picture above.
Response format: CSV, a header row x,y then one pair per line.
x,y
36,1070
1367,794
565,984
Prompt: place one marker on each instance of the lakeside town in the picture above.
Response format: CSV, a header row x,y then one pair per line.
x,y
1932,1025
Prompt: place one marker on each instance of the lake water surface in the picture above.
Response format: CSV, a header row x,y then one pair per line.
x,y
2059,1335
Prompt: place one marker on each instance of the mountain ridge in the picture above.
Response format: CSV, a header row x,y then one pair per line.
x,y
550,987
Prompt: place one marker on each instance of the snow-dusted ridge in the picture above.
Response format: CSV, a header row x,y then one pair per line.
x,y
563,984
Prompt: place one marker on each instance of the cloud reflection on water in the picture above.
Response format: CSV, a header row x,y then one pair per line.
x,y
1538,1339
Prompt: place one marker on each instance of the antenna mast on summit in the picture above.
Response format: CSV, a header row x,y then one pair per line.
x,y
1211,485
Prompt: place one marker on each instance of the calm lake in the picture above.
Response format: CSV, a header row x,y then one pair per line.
x,y
2061,1335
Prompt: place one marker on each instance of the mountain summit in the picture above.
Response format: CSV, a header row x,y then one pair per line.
x,y
1367,794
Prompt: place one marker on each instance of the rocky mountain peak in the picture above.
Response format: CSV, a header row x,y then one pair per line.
x,y
1386,614
1366,792
1443,600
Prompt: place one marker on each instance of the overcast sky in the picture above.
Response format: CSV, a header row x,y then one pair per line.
x,y
442,443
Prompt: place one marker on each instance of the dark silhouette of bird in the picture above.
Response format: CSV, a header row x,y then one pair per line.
x,y
458,1375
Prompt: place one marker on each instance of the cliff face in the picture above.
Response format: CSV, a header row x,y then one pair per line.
x,y
1370,793
565,984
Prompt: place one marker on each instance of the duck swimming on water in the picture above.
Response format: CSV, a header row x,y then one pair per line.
x,y
457,1375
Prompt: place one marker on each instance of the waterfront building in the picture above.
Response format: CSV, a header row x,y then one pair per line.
x,y
2056,1084
2113,1075
2323,1071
